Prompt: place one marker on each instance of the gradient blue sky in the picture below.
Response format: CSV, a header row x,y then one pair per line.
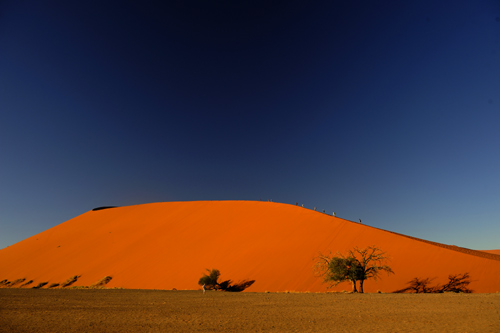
x,y
388,111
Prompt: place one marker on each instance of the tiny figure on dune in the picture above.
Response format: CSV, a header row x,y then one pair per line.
x,y
203,287
359,220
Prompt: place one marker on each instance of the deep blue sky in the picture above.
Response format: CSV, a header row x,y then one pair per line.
x,y
384,111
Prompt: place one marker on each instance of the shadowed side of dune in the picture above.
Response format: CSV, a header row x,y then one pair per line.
x,y
169,245
497,252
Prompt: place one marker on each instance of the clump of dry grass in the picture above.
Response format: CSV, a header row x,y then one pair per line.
x,y
102,282
26,283
40,285
53,285
13,283
4,282
70,281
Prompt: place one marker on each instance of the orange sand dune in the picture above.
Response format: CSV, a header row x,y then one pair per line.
x,y
169,245
492,251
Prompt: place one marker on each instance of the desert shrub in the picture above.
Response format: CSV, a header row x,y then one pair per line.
x,y
456,283
418,286
211,281
53,285
103,207
102,282
26,283
70,281
15,282
40,285
240,286
4,282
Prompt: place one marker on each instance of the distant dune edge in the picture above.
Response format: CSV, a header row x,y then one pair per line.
x,y
170,245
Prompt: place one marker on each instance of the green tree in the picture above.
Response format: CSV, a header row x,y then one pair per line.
x,y
341,270
210,280
356,265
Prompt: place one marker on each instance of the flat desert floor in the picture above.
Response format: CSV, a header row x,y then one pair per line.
x,y
120,310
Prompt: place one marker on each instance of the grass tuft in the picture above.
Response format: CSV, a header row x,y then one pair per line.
x,y
27,283
102,282
13,283
70,281
40,285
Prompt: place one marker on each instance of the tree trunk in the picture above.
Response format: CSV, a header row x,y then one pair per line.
x,y
354,290
361,285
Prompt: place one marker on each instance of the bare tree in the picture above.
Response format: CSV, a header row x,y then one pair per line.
x,y
457,283
372,262
418,286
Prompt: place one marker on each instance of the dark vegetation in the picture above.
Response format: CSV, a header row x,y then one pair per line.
x,y
16,282
457,283
70,281
102,282
19,283
26,283
103,207
40,285
211,282
357,265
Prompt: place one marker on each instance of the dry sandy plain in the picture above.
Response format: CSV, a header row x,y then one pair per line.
x,y
120,310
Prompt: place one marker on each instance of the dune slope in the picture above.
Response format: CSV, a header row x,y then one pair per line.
x,y
169,245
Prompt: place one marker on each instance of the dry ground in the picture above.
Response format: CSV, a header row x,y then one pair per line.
x,y
77,310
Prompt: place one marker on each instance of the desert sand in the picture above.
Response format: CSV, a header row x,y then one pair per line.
x,y
169,245
492,251
66,310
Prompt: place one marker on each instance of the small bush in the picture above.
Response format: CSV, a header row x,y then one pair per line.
x,y
40,285
70,281
53,285
211,281
102,282
13,283
457,283
27,283
240,286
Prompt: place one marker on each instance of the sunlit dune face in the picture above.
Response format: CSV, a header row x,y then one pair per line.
x,y
169,245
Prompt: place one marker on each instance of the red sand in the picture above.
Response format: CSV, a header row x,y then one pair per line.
x,y
169,245
492,251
